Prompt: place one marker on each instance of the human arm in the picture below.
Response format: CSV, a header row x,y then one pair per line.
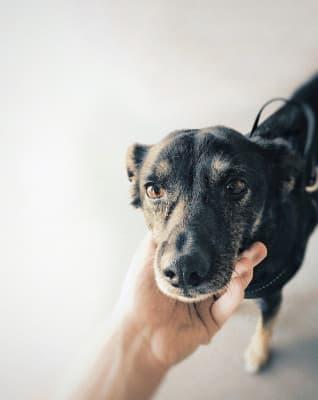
x,y
153,332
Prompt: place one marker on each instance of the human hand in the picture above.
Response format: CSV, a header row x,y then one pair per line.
x,y
172,330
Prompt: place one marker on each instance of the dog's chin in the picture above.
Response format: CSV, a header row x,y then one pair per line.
x,y
189,295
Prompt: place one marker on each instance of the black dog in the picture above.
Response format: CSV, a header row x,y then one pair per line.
x,y
207,194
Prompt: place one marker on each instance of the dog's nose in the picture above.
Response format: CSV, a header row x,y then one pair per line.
x,y
187,271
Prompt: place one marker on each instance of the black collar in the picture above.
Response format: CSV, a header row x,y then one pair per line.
x,y
264,289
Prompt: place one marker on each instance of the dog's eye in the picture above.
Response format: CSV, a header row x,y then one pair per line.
x,y
236,187
154,191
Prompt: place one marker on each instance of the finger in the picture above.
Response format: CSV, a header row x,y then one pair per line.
x,y
244,271
204,308
224,307
255,253
249,259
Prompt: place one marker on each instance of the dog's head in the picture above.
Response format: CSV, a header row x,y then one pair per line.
x,y
204,194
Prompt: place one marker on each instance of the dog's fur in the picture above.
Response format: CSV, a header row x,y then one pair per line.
x,y
201,225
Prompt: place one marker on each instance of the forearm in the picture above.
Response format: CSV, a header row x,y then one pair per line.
x,y
126,369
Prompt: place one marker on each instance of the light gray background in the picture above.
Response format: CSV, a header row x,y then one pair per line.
x,y
79,82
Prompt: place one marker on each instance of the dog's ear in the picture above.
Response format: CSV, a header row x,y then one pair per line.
x,y
136,154
284,162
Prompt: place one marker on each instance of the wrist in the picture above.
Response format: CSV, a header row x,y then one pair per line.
x,y
136,342
126,369
133,371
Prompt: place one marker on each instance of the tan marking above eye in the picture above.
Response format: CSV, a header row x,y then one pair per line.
x,y
219,164
163,167
155,191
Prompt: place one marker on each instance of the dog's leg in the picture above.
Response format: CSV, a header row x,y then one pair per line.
x,y
257,352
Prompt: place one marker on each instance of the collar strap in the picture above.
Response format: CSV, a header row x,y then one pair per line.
x,y
311,170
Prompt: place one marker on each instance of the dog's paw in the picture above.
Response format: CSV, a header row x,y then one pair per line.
x,y
255,358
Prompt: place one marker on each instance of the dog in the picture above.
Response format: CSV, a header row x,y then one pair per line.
x,y
208,194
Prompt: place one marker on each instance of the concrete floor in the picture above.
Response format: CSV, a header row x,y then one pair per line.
x,y
80,81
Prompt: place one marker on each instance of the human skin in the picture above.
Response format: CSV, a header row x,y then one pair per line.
x,y
152,332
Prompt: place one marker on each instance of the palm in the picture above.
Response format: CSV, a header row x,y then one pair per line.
x,y
177,329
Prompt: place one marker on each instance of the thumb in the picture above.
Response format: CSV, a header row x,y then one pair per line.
x,y
225,306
